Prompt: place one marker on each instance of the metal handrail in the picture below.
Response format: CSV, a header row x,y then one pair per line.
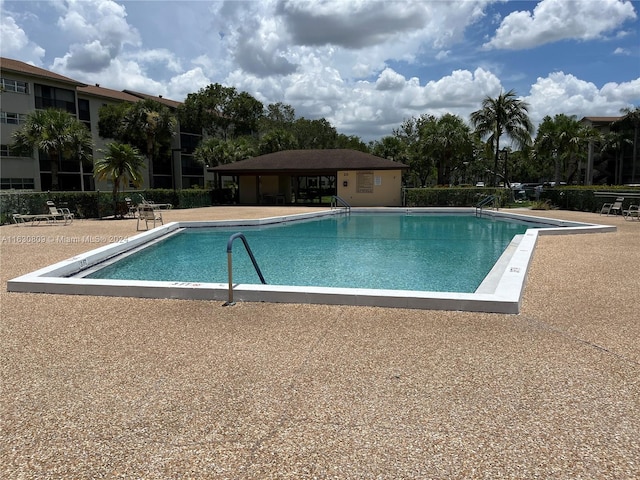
x,y
335,200
486,201
230,263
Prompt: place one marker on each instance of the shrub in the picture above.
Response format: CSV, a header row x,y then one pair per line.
x,y
95,204
452,197
584,198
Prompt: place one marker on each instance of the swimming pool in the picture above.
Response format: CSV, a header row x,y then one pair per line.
x,y
398,251
500,290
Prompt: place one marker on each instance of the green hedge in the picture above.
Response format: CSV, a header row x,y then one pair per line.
x,y
581,198
452,197
95,204
584,199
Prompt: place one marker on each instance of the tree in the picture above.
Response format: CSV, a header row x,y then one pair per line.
x,y
503,115
215,151
311,134
419,161
446,139
210,152
278,115
632,117
150,127
614,142
352,142
221,112
121,163
562,140
56,134
277,140
389,147
147,125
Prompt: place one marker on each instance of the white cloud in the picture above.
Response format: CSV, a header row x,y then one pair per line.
x,y
188,82
14,42
553,20
100,31
365,66
621,51
158,56
390,80
564,93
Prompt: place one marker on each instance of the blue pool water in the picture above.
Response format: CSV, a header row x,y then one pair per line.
x,y
451,253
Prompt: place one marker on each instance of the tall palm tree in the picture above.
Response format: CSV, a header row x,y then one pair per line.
x,y
503,115
614,143
632,115
120,164
149,125
58,135
563,138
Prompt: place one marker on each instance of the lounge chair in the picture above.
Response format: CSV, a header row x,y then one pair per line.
x,y
19,218
147,213
632,212
59,213
613,208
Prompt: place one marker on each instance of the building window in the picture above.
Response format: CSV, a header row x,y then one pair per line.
x,y
7,151
15,86
189,142
53,97
17,184
84,114
12,118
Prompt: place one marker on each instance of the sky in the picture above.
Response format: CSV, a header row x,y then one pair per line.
x,y
365,66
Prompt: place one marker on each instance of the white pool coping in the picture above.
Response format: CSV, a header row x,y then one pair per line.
x,y
500,292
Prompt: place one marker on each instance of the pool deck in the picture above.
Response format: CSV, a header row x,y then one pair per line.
x,y
109,387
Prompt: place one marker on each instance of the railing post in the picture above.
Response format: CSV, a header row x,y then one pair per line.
x,y
230,302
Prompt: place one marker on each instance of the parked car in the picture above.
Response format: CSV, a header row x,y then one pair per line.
x,y
480,184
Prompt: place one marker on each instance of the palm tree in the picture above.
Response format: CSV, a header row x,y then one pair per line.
x,y
446,139
632,115
504,115
614,143
121,163
564,139
58,135
149,125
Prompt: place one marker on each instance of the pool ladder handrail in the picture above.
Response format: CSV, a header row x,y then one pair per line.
x,y
335,200
230,263
486,201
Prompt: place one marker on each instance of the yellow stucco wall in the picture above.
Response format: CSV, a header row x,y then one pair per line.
x,y
372,188
248,189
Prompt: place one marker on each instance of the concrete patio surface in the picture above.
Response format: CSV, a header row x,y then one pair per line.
x,y
103,387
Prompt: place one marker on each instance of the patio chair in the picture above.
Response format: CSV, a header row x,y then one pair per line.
x,y
59,213
167,206
132,209
612,208
147,213
632,212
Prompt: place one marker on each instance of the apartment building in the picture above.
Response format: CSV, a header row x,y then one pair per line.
x,y
26,88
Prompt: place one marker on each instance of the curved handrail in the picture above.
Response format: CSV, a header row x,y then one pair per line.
x,y
335,200
486,201
230,262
